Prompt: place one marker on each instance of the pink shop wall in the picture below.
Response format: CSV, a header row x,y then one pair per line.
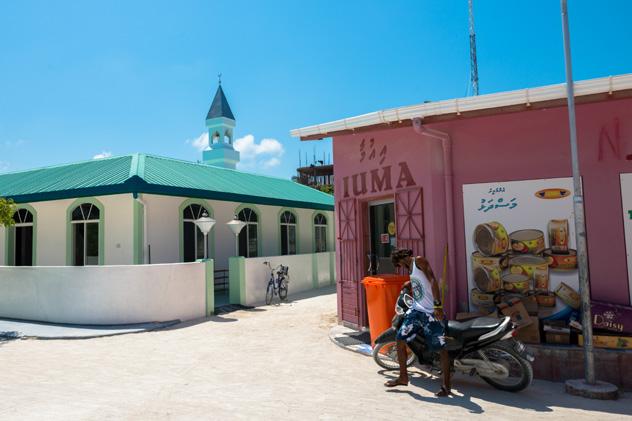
x,y
510,147
534,144
378,165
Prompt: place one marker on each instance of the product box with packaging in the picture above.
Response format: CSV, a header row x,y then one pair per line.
x,y
530,333
515,309
611,317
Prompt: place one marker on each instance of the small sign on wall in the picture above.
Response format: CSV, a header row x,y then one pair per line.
x,y
384,238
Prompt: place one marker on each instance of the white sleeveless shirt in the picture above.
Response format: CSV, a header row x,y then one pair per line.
x,y
422,290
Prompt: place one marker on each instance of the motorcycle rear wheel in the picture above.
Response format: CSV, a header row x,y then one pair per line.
x,y
520,370
385,355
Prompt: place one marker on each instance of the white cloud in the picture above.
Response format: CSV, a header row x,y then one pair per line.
x,y
272,162
200,143
104,154
263,155
4,166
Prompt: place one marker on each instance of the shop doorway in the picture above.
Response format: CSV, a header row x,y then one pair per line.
x,y
383,239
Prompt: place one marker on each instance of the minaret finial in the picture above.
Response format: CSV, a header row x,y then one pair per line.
x,y
219,78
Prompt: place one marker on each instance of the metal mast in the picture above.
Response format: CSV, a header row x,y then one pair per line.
x,y
578,209
473,63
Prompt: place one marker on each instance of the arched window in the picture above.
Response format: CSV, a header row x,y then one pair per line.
x,y
215,138
85,234
288,233
320,233
248,241
23,240
192,237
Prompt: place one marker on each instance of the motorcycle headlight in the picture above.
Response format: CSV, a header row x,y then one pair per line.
x,y
408,300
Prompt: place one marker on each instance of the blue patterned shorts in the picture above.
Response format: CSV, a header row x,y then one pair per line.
x,y
432,329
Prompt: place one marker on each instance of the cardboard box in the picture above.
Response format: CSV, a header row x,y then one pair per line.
x,y
611,317
557,338
531,304
611,342
530,333
515,309
556,332
568,295
544,312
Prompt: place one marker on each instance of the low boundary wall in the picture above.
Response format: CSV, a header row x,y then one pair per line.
x,y
249,277
106,295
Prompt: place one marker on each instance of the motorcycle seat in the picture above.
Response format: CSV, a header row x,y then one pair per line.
x,y
472,329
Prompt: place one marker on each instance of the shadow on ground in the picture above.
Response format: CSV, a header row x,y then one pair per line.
x,y
222,312
534,398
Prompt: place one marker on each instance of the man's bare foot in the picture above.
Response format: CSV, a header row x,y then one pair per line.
x,y
396,382
444,391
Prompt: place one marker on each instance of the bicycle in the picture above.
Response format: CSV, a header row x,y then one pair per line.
x,y
277,285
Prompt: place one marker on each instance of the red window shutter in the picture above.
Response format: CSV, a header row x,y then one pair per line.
x,y
348,255
410,220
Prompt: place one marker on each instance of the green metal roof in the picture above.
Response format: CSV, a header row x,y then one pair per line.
x,y
140,173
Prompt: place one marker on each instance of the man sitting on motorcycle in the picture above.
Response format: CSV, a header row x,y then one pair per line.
x,y
424,317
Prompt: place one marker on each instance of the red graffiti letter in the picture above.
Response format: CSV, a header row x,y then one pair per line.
x,y
384,183
604,135
404,176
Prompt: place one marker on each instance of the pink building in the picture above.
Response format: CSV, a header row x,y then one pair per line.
x,y
428,176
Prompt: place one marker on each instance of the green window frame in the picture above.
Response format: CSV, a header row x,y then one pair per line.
x,y
10,235
319,230
288,232
182,220
100,230
252,227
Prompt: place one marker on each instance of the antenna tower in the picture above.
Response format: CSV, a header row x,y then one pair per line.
x,y
473,63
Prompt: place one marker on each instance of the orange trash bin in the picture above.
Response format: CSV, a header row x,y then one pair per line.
x,y
381,295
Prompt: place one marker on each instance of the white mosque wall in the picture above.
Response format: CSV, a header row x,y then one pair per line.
x,y
51,217
163,226
163,219
104,295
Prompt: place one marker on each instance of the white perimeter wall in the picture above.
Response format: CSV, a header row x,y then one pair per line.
x,y
51,231
304,270
104,294
164,232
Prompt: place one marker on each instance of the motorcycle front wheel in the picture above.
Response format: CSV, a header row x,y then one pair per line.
x,y
520,370
385,355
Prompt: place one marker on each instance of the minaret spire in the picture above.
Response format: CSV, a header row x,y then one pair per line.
x,y
220,123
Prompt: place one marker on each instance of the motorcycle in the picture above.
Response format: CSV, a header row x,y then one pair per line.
x,y
484,346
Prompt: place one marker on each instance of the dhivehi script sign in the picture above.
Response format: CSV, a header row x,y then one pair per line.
x,y
511,221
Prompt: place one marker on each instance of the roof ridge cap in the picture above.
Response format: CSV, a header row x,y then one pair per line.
x,y
137,166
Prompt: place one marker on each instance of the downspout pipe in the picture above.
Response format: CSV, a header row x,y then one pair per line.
x,y
138,198
448,186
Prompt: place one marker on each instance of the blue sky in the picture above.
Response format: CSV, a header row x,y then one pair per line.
x,y
81,78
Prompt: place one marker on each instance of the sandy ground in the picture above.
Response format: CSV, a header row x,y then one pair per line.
x,y
273,362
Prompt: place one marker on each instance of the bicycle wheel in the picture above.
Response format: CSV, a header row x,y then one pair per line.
x,y
283,290
269,293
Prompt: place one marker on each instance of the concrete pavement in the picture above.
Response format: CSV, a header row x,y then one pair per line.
x,y
273,362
